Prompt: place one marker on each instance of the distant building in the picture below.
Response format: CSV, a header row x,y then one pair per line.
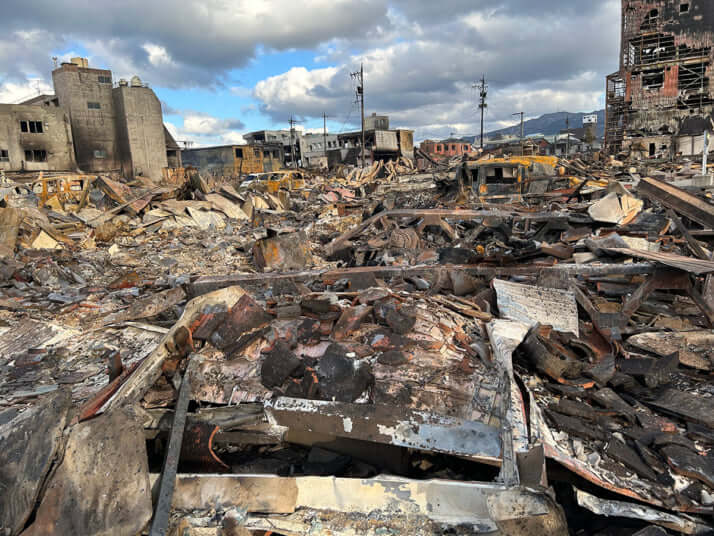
x,y
314,147
446,148
290,142
379,145
666,60
376,122
234,160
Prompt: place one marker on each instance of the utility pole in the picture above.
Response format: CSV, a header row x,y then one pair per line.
x,y
483,92
567,133
324,132
360,97
292,144
521,114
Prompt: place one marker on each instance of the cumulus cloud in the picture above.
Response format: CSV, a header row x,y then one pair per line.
x,y
425,80
204,130
194,43
421,57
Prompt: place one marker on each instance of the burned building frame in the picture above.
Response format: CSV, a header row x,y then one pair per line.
x,y
665,69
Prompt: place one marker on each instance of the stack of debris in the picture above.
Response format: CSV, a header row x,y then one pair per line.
x,y
382,353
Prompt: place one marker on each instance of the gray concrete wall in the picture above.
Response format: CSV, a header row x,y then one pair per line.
x,y
140,132
55,139
93,130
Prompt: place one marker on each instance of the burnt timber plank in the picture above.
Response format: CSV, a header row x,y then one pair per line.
x,y
682,202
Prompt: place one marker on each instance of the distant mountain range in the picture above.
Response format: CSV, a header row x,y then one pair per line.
x,y
548,125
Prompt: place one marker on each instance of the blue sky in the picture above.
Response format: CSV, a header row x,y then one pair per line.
x,y
225,67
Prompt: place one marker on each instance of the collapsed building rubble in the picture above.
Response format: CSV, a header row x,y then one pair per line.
x,y
377,351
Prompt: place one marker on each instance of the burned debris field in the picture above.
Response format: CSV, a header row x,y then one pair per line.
x,y
366,332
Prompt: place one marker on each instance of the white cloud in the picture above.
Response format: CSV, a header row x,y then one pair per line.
x,y
206,130
158,56
12,93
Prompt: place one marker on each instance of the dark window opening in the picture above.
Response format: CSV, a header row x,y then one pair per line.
x,y
33,127
4,156
94,106
36,155
652,48
104,79
239,152
653,79
693,76
684,8
653,149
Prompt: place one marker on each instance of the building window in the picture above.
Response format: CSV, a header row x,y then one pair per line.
x,y
100,153
37,155
34,127
653,79
4,157
94,106
104,79
684,8
239,152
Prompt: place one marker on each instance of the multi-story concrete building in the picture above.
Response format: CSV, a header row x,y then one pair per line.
x,y
141,141
666,59
35,138
290,140
88,124
314,147
379,145
86,95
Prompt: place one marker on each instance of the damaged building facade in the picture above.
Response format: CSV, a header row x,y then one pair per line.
x,y
235,160
664,77
90,125
35,138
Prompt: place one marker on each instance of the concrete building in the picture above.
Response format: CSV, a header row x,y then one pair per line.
x,y
290,142
140,137
114,128
314,147
86,95
376,122
35,138
666,58
379,145
234,161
